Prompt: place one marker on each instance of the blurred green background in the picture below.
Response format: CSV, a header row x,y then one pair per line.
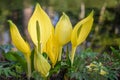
x,y
105,31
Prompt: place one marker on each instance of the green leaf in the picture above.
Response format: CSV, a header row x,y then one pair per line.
x,y
20,59
44,55
6,72
56,68
0,70
10,56
12,73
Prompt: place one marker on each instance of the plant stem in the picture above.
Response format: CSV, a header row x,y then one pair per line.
x,y
72,54
29,67
60,54
45,78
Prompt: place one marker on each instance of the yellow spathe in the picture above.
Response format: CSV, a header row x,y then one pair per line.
x,y
21,45
63,30
41,64
44,23
81,30
80,33
17,40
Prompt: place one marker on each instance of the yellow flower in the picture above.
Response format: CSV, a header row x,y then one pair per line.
x,y
41,64
18,41
102,72
52,48
80,33
20,44
63,32
40,30
92,65
89,68
44,26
